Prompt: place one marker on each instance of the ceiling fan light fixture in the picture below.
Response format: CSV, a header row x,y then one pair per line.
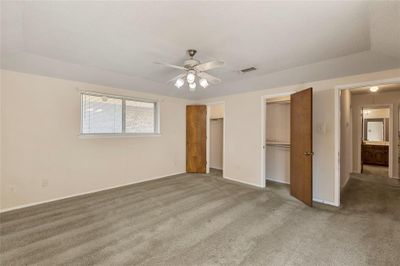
x,y
374,88
190,77
194,71
203,83
192,86
179,83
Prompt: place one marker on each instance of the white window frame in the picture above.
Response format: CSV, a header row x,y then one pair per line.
x,y
123,133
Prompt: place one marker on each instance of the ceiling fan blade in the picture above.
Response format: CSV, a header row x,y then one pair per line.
x,y
177,77
209,65
209,78
170,65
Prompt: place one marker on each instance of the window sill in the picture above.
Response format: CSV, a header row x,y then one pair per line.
x,y
111,136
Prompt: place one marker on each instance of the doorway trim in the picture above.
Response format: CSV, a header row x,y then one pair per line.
x,y
338,89
208,137
263,130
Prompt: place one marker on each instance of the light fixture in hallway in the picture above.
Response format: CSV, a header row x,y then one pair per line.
x,y
374,88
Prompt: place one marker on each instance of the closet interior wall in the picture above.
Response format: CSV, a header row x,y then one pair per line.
x,y
278,140
216,143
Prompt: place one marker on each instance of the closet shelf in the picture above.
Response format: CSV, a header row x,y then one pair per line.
x,y
278,144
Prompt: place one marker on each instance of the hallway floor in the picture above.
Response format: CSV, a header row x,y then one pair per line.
x,y
191,219
377,170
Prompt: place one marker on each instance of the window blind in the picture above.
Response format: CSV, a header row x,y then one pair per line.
x,y
101,114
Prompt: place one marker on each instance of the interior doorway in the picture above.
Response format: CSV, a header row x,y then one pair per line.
x,y
375,141
369,133
215,138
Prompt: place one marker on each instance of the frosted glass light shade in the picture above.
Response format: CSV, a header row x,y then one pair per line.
x,y
192,86
179,83
203,83
190,77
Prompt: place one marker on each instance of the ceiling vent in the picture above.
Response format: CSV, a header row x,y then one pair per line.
x,y
247,70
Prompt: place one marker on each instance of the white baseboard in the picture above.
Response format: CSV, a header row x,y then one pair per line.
x,y
277,181
243,182
85,193
327,202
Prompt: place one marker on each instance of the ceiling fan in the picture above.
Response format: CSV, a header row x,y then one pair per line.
x,y
194,69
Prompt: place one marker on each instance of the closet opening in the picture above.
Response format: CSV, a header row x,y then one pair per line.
x,y
277,143
287,138
215,138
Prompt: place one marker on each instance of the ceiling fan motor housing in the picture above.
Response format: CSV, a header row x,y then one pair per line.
x,y
191,52
190,63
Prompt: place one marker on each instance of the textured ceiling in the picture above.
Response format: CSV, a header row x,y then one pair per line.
x,y
116,43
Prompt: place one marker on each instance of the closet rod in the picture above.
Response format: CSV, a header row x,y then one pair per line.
x,y
283,145
279,102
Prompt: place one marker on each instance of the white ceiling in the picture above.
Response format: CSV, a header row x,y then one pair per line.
x,y
116,43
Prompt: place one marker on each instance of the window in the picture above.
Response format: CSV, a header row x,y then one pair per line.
x,y
108,114
139,117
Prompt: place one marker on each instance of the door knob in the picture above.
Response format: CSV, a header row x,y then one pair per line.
x,y
308,153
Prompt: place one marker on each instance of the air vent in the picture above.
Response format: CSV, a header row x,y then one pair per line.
x,y
247,70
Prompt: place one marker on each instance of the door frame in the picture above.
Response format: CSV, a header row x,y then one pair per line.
x,y
359,136
264,99
208,136
338,89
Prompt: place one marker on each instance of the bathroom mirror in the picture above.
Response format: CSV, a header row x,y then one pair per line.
x,y
374,129
376,124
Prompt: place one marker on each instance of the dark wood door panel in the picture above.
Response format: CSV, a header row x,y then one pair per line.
x,y
196,116
301,151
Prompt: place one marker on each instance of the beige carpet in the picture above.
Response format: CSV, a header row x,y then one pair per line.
x,y
369,169
205,220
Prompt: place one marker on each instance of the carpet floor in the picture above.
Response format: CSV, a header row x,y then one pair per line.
x,y
377,170
205,220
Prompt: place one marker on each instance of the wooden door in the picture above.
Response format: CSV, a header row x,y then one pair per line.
x,y
301,152
196,117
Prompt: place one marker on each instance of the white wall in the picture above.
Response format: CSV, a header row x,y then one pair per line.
x,y
40,123
216,111
377,113
243,141
278,122
216,143
358,100
40,126
277,167
345,137
1,138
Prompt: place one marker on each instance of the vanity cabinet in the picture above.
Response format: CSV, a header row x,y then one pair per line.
x,y
375,154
